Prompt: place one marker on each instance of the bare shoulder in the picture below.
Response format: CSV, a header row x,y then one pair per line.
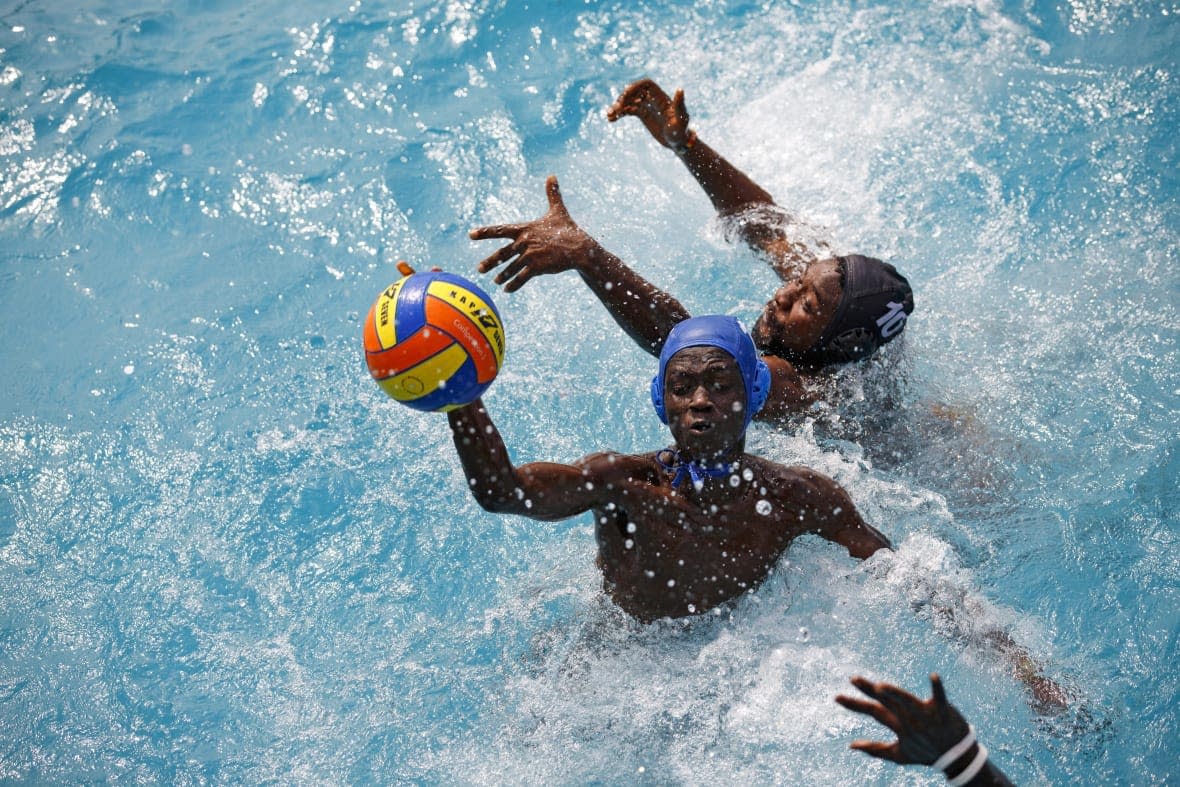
x,y
789,393
795,482
615,467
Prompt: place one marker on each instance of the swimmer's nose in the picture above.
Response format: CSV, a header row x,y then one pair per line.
x,y
785,296
700,399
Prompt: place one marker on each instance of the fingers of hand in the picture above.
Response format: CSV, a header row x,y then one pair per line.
x,y
496,231
553,192
866,707
519,280
510,270
681,109
897,699
625,105
629,100
865,685
878,712
880,749
506,253
936,689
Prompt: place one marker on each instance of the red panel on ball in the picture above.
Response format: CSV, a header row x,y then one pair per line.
x,y
406,353
443,315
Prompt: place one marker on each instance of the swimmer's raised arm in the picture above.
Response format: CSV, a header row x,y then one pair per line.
x,y
540,490
929,732
555,243
730,190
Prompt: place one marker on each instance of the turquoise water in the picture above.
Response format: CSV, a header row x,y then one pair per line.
x,y
225,557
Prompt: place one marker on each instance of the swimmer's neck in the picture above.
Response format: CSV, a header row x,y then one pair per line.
x,y
716,486
734,455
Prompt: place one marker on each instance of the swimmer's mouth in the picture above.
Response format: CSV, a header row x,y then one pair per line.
x,y
700,427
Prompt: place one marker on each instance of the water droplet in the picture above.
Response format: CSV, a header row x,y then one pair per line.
x,y
630,527
649,574
129,369
628,544
748,474
763,507
804,634
734,480
671,583
692,607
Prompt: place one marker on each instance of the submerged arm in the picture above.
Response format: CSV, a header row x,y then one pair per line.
x,y
555,243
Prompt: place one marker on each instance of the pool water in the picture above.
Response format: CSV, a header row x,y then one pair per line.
x,y
226,557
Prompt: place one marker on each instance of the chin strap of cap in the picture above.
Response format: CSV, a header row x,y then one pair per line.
x,y
691,469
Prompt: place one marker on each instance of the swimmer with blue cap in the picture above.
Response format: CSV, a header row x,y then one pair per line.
x,y
827,312
685,529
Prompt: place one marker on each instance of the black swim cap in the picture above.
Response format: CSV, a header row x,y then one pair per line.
x,y
873,307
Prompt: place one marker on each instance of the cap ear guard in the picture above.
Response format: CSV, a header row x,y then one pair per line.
x,y
657,397
760,389
756,396
852,345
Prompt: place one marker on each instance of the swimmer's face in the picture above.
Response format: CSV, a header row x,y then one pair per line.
x,y
797,315
705,401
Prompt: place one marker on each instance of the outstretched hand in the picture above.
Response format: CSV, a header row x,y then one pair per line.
x,y
666,118
925,728
550,244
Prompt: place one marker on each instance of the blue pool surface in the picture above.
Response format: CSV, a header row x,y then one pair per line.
x,y
227,557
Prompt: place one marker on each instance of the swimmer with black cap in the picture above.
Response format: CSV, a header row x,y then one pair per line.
x,y
827,312
685,529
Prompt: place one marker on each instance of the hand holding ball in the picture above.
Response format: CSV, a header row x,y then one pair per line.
x,y
433,341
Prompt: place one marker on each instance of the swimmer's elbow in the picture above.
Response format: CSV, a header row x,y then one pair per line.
x,y
868,544
496,504
494,501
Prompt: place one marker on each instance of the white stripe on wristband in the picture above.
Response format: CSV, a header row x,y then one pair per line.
x,y
956,751
972,769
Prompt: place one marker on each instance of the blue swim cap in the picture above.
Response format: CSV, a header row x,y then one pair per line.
x,y
727,334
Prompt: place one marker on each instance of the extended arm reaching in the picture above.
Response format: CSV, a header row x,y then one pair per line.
x,y
555,243
730,190
540,490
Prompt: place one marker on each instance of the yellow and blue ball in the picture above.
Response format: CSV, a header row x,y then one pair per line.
x,y
434,341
